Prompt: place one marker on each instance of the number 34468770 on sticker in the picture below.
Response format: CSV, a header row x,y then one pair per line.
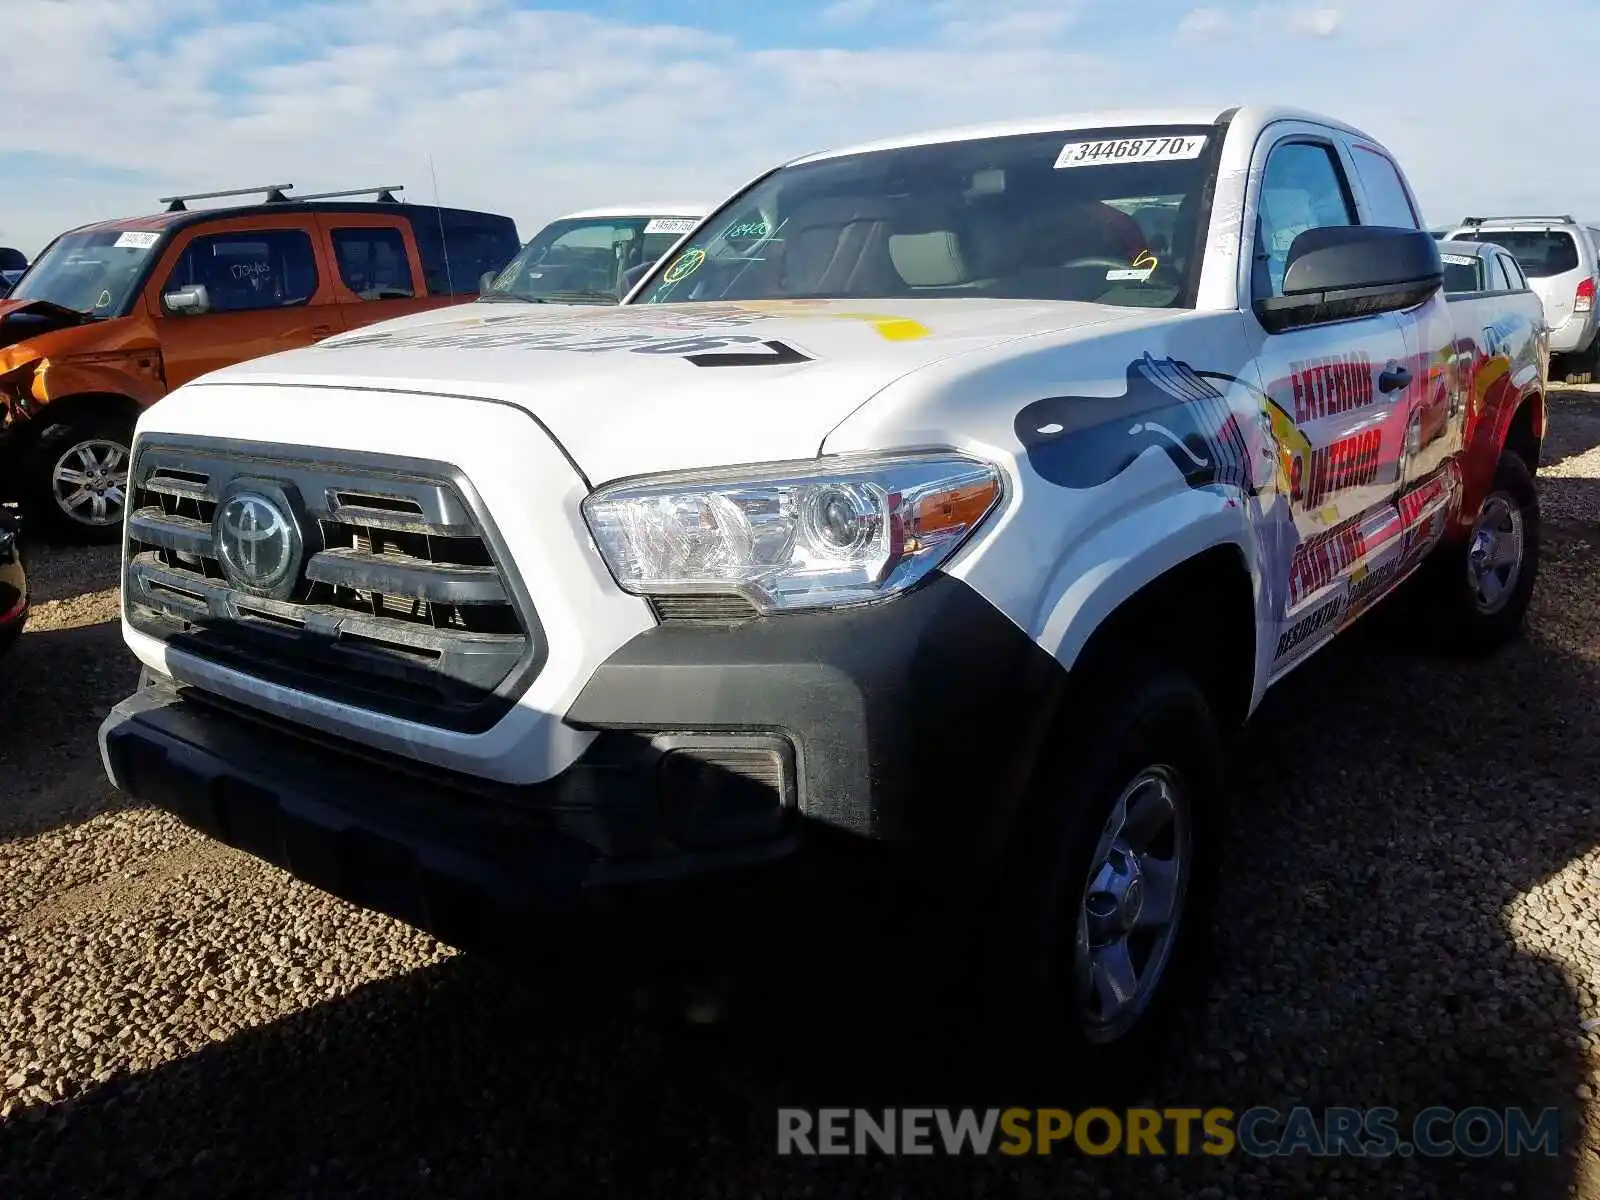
x,y
1126,150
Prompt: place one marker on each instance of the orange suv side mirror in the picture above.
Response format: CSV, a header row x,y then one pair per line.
x,y
189,301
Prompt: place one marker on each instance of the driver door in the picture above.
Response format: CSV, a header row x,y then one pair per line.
x,y
1332,393
267,290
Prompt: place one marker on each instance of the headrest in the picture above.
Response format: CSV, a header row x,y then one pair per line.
x,y
838,211
928,259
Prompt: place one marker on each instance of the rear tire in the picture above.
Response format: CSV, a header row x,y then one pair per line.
x,y
1060,1017
1475,594
78,477
1579,368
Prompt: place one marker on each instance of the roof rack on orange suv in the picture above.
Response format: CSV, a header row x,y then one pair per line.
x,y
274,193
112,316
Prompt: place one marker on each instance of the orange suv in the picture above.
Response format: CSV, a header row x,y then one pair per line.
x,y
113,316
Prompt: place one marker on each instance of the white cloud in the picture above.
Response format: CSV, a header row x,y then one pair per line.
x,y
535,113
1207,24
851,12
1316,22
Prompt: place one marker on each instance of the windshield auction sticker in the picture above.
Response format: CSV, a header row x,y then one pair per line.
x,y
1130,150
134,240
671,225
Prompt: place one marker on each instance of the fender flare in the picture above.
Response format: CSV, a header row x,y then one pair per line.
x,y
1098,576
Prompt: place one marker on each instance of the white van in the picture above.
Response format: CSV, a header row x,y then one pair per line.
x,y
1558,255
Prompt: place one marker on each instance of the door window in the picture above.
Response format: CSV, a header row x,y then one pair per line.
x,y
1497,275
1303,188
373,264
1386,195
249,270
1517,281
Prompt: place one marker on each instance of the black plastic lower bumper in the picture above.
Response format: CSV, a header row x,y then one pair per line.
x,y
870,740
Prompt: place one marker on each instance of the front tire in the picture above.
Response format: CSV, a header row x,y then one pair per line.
x,y
1477,592
80,477
1102,933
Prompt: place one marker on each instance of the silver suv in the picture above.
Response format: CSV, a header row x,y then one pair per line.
x,y
1558,254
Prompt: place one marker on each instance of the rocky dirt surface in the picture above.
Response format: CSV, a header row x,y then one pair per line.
x,y
1412,918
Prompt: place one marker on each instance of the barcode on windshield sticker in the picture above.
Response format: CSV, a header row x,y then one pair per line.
x,y
671,225
1129,150
136,241
1458,260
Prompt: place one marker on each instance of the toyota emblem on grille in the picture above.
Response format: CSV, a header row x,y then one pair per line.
x,y
257,543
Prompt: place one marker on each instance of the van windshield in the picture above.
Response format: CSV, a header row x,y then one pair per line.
x,y
586,258
1542,252
95,273
1108,216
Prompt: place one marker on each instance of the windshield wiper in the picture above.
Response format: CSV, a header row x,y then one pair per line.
x,y
558,297
545,297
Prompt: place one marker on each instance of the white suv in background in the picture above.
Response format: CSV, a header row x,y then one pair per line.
x,y
1559,256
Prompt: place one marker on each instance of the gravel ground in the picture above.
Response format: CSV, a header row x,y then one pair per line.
x,y
1412,918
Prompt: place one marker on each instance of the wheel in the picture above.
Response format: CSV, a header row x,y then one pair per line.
x,y
1103,930
80,477
1477,592
1580,367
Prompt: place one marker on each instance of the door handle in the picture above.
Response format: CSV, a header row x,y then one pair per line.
x,y
1393,379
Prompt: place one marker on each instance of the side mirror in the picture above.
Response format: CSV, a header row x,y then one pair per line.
x,y
12,260
632,275
486,281
1340,272
189,301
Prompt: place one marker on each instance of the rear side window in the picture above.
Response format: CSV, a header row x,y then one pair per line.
x,y
373,263
457,249
250,270
1386,194
1540,252
1519,281
1498,282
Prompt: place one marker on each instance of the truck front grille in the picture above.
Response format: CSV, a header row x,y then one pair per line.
x,y
402,601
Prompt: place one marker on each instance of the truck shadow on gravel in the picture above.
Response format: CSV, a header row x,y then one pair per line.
x,y
58,684
1387,936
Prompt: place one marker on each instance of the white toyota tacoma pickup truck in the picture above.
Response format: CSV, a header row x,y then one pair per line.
x,y
935,509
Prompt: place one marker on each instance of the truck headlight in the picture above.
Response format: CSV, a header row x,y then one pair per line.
x,y
816,534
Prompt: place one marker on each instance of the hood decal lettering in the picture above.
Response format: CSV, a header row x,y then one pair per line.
x,y
779,355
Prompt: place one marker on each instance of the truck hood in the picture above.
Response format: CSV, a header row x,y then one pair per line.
x,y
21,320
634,389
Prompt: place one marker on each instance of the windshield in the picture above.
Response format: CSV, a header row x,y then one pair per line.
x,y
586,258
1542,252
1462,273
1054,216
95,273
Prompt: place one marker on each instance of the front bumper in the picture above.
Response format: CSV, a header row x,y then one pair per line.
x,y
827,756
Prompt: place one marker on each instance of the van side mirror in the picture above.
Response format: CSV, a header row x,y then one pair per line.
x,y
189,301
1340,272
12,259
486,281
